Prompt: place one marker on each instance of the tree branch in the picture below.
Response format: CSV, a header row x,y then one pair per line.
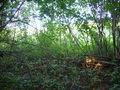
x,y
3,26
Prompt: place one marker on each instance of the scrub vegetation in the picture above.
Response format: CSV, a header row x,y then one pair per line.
x,y
59,45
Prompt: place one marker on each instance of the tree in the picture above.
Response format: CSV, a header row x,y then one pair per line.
x,y
8,9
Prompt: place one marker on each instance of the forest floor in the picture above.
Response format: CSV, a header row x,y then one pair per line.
x,y
58,74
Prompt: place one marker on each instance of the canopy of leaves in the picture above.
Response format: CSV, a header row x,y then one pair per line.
x,y
77,47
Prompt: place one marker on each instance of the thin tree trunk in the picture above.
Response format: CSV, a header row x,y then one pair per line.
x,y
114,34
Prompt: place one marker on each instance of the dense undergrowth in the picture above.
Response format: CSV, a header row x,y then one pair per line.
x,y
43,63
59,44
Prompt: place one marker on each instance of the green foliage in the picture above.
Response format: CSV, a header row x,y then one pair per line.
x,y
47,63
54,57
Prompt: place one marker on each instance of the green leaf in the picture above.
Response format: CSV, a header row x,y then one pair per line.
x,y
16,4
29,0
